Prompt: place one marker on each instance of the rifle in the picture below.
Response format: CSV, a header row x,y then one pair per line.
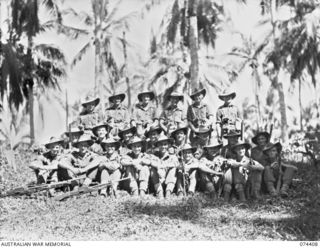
x,y
85,190
279,177
28,190
183,178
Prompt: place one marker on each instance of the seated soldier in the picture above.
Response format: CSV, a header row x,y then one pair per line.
x,y
173,117
276,171
90,115
260,140
136,165
179,139
241,167
228,115
163,170
100,131
198,114
106,167
152,136
144,114
188,171
117,115
232,139
200,139
72,164
46,164
214,161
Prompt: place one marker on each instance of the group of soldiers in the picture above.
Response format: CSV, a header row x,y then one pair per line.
x,y
165,154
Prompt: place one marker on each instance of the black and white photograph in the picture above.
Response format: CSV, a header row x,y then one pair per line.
x,y
159,120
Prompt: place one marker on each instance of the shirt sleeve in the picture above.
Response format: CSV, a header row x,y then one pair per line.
x,y
208,112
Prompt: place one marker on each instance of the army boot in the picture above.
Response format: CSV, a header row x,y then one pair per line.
x,y
284,190
271,189
226,192
240,191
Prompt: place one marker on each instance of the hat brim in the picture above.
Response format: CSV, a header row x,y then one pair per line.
x,y
116,144
77,143
255,138
169,140
73,133
122,97
158,130
180,97
192,149
232,135
183,129
150,93
132,130
95,101
245,145
202,92
203,132
142,142
233,95
213,147
277,145
94,129
58,142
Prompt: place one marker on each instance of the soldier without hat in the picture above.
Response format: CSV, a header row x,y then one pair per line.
x,y
144,113
277,168
228,115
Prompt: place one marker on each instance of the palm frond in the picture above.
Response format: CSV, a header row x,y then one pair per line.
x,y
80,54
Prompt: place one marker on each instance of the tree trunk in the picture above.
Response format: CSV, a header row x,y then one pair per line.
x,y
300,105
193,44
30,90
125,71
256,92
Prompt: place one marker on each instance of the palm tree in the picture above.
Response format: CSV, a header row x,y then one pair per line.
x,y
103,31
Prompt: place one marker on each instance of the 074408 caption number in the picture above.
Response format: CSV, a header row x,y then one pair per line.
x,y
309,244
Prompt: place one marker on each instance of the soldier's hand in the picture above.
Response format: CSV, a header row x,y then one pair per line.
x,y
136,164
275,165
145,161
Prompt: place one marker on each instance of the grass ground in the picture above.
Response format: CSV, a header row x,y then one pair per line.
x,y
90,217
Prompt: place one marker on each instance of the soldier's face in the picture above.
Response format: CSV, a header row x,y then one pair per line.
x,y
89,107
83,147
233,140
116,101
240,151
154,136
55,150
127,136
101,132
227,99
187,155
273,152
110,149
198,98
136,148
180,136
163,146
262,140
145,99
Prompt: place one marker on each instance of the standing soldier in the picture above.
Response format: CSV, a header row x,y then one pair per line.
x,y
241,167
137,164
228,115
74,163
106,167
260,140
163,170
144,113
188,171
179,139
214,161
173,116
89,116
100,132
152,136
198,114
117,115
277,172
46,164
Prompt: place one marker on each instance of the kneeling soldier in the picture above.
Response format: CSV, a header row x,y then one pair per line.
x,y
187,172
164,167
277,171
137,164
106,167
241,167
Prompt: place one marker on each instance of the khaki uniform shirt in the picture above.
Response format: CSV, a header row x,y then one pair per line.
x,y
89,120
258,155
172,116
117,117
198,115
226,152
112,163
76,159
227,116
144,115
166,160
